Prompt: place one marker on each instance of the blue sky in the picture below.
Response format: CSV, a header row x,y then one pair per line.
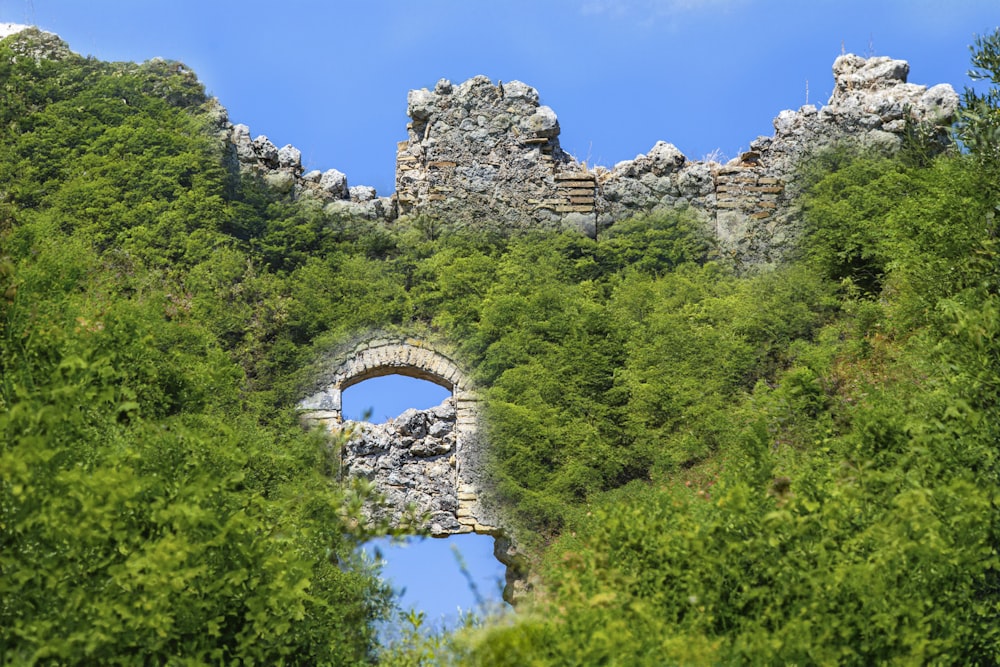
x,y
331,78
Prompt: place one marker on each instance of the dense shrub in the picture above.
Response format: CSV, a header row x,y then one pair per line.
x,y
793,467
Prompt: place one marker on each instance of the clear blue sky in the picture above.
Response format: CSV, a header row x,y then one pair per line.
x,y
331,78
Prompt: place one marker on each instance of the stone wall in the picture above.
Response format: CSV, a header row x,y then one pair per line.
x,y
485,154
412,461
488,154
431,459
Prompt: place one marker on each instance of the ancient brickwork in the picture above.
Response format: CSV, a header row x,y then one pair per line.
x,y
484,153
432,460
747,200
488,154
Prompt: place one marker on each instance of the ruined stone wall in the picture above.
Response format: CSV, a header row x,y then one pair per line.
x,y
430,459
488,154
281,169
485,154
413,462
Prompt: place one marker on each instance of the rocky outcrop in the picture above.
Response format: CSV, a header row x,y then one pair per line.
x,y
871,105
34,43
745,203
281,169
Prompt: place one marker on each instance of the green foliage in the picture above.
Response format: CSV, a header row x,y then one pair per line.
x,y
150,509
655,244
809,570
794,467
142,514
979,122
823,484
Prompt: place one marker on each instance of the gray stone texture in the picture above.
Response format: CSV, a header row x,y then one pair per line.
x,y
428,457
483,154
411,461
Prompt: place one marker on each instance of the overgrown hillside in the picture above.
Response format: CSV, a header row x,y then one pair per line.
x,y
707,468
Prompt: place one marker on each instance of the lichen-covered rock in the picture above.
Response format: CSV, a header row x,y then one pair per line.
x,y
420,104
938,104
361,193
30,42
290,157
334,183
542,123
374,209
281,170
280,181
853,73
265,151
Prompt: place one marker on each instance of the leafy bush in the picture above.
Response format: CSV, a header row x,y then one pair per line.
x,y
794,467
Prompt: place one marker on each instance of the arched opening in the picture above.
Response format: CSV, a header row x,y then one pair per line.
x,y
382,398
437,576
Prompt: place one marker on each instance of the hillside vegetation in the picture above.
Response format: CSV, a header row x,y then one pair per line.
x,y
795,467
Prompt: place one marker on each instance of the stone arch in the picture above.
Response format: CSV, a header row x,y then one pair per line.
x,y
381,356
461,482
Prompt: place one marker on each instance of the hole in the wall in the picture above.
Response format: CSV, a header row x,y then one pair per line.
x,y
426,571
380,399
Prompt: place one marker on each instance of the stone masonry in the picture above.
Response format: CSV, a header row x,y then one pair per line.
x,y
430,460
486,155
412,461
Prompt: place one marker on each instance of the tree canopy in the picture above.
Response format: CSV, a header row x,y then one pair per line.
x,y
797,466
